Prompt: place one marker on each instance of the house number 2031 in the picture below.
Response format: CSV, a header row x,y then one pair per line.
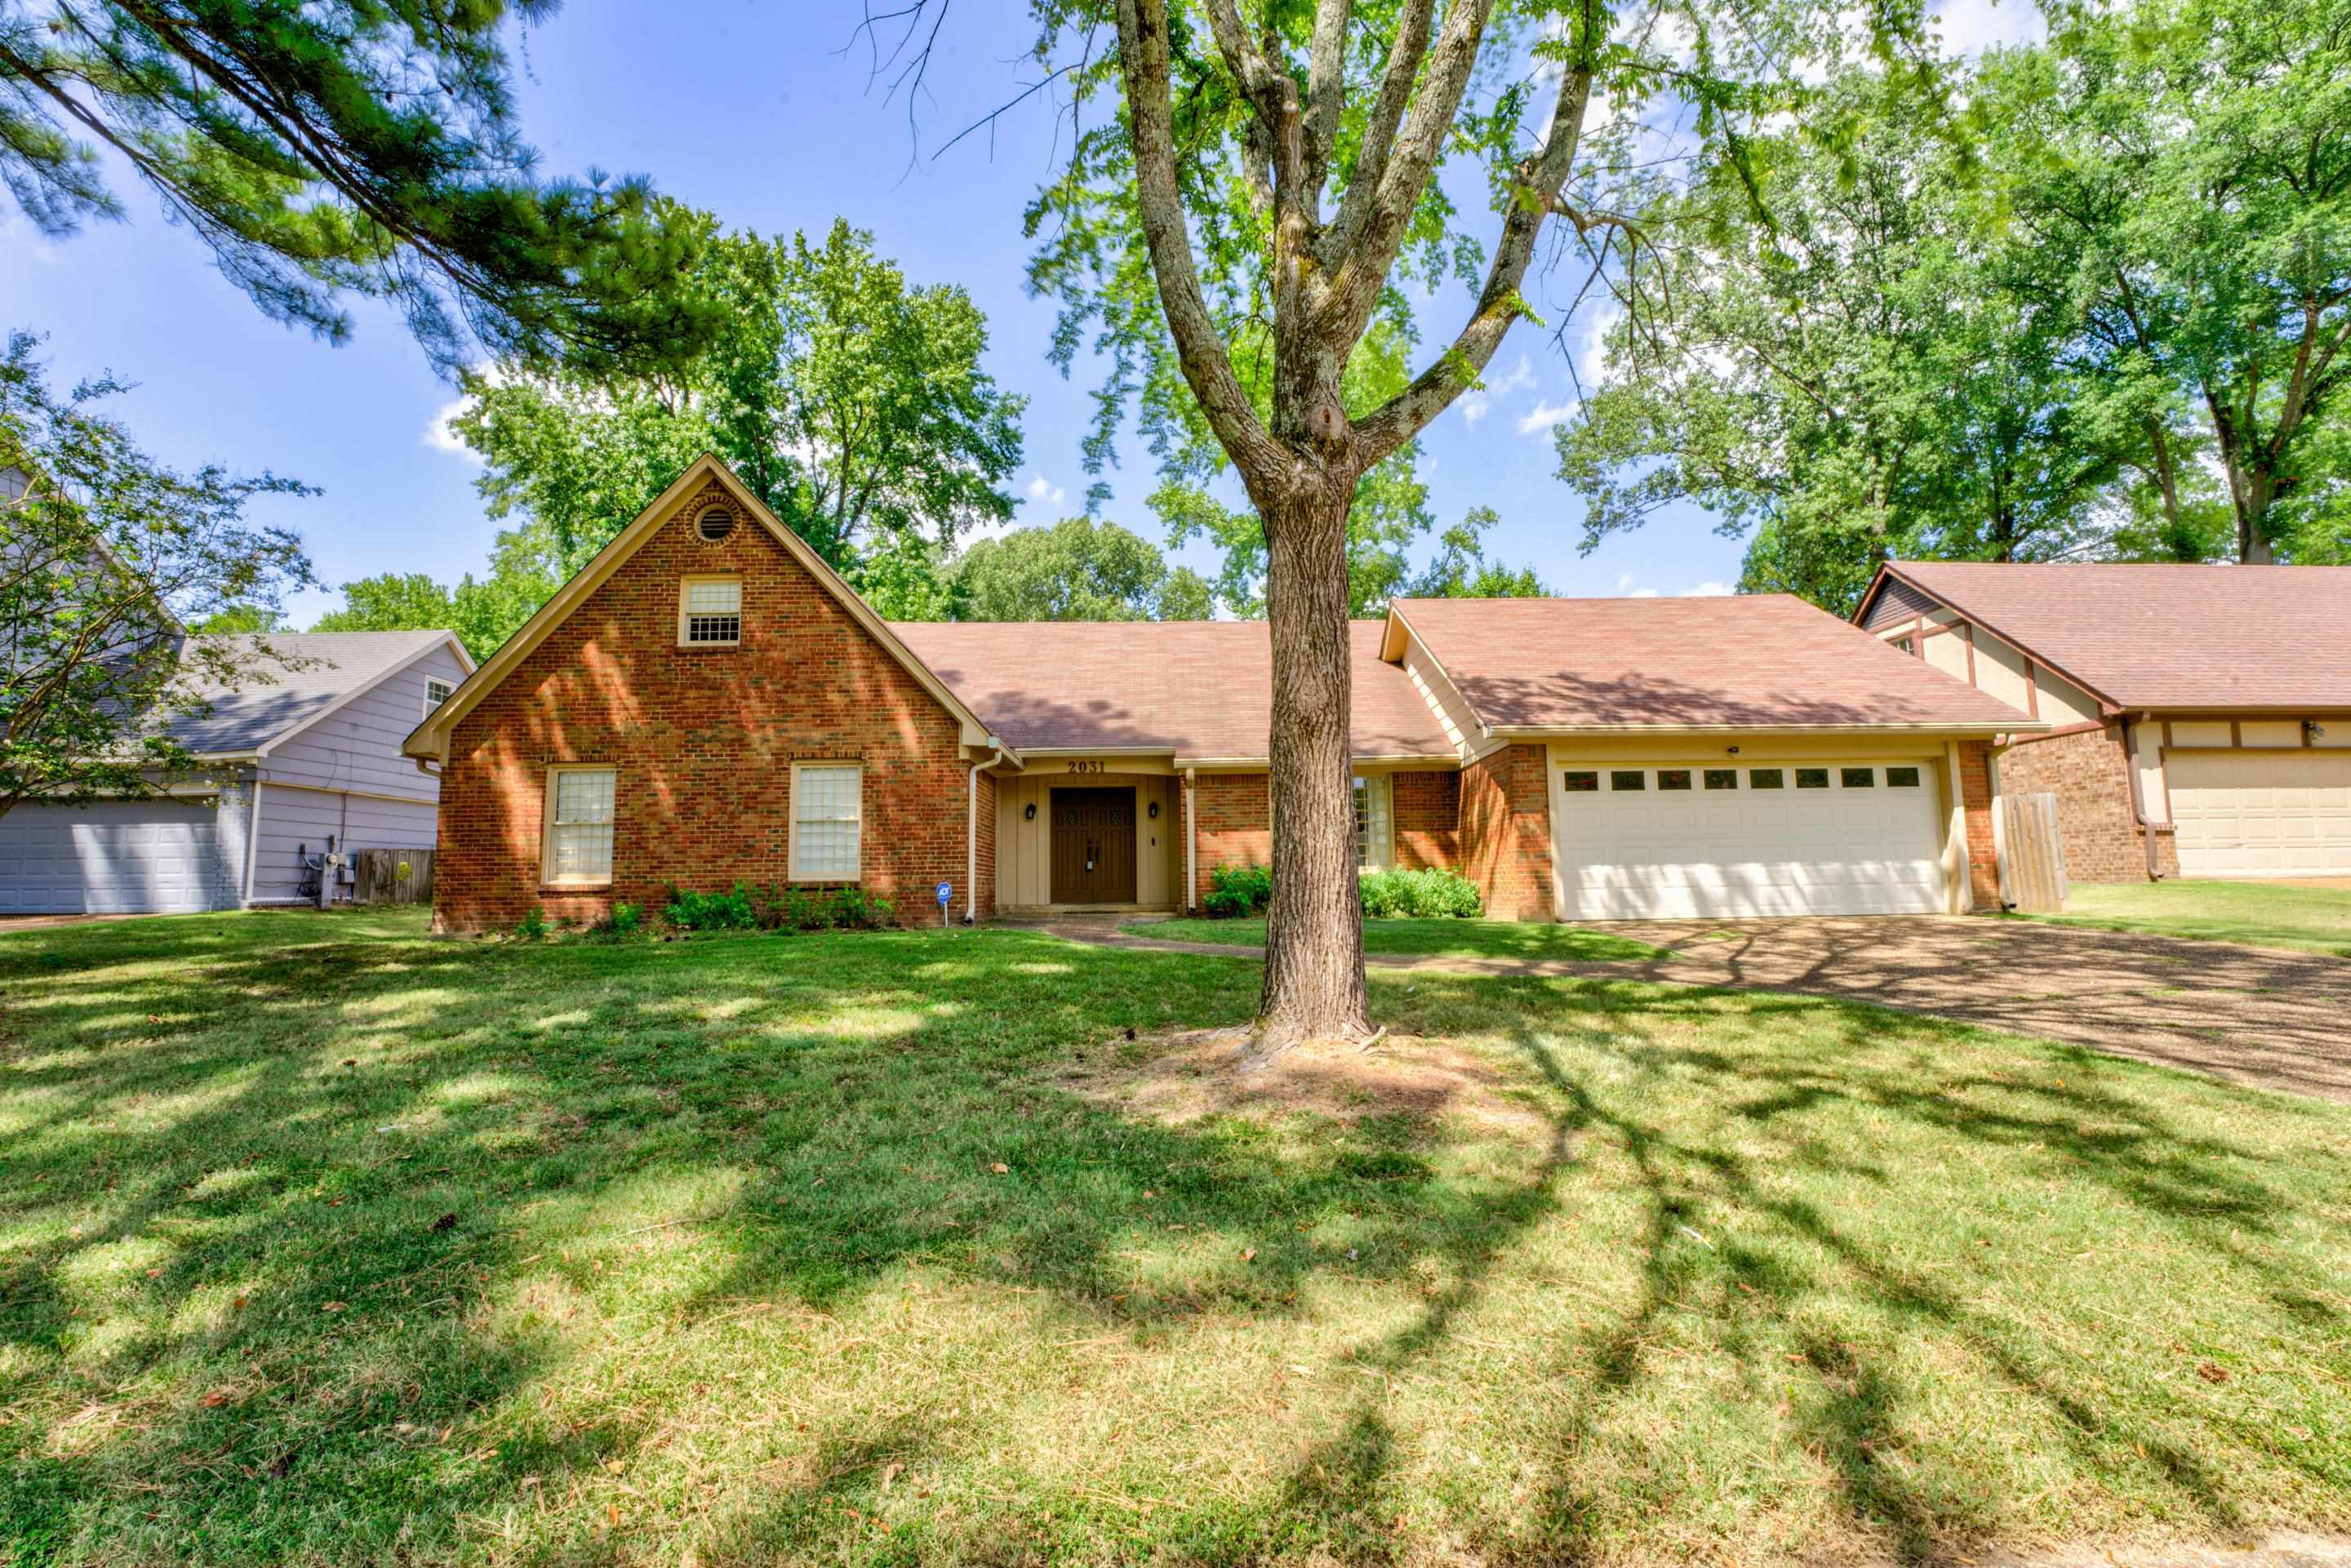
x,y
1078,765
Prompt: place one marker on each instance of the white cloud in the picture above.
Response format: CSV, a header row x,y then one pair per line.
x,y
1543,415
1521,377
1043,489
437,434
1708,591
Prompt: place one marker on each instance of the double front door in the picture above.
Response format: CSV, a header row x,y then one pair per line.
x,y
1093,846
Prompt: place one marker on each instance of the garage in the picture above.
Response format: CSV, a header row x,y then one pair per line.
x,y
116,857
2255,813
1701,840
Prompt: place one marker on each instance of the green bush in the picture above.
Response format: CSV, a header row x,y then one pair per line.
x,y
1237,890
841,909
625,921
533,926
730,911
1420,895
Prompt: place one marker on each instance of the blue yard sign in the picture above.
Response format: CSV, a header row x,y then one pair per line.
x,y
946,894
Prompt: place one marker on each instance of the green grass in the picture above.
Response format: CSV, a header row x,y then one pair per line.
x,y
2263,914
1446,938
323,1241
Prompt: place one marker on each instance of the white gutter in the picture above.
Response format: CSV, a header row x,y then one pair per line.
x,y
251,836
971,833
1191,831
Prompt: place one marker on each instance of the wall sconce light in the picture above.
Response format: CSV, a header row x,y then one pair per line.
x,y
2317,730
1030,814
1155,810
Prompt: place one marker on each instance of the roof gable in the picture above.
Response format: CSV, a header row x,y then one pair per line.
x,y
2161,635
431,738
312,676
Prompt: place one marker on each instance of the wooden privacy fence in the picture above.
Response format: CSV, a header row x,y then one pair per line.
x,y
392,876
2033,857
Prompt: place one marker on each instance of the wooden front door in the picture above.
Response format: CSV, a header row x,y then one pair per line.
x,y
1093,846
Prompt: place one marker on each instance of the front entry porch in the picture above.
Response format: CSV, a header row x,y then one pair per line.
x,y
1089,841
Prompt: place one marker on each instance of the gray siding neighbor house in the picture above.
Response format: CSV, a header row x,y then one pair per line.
x,y
314,753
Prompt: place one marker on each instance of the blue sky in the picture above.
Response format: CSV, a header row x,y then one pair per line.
x,y
763,114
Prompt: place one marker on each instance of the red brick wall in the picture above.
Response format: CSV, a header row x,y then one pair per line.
x,y
1983,852
1426,809
1234,819
702,741
1505,834
2089,774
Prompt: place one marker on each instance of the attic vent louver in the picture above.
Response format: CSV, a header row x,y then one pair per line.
x,y
715,524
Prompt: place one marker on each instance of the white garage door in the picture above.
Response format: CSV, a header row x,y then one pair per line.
x,y
2261,813
1708,841
119,857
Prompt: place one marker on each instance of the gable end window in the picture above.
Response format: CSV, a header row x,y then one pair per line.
x,y
710,612
578,850
827,820
435,694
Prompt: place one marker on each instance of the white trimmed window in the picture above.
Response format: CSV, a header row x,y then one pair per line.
x,y
578,846
1372,833
710,612
435,694
827,820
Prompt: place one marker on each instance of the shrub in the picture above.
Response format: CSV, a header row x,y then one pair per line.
x,y
842,909
1420,895
533,926
625,921
1237,890
729,911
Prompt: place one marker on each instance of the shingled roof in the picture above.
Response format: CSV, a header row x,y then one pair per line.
x,y
1753,661
305,674
2163,636
1196,688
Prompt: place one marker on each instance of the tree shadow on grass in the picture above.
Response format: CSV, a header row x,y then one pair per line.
x,y
245,1199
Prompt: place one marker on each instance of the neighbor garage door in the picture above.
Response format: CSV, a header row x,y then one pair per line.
x,y
2261,813
120,857
1701,840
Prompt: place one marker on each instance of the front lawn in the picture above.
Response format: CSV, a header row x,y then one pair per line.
x,y
1446,938
2263,914
321,1240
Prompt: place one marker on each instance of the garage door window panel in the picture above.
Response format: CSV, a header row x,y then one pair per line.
x,y
1627,780
1580,782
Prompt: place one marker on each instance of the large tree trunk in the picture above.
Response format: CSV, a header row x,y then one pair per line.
x,y
1314,931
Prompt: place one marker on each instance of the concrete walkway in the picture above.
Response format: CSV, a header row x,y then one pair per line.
x,y
2274,1020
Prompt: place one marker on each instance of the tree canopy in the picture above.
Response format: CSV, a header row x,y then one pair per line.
x,y
2087,299
1076,569
107,557
349,146
853,405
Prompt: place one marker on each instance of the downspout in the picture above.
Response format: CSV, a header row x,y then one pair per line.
x,y
252,835
971,833
2139,801
1191,831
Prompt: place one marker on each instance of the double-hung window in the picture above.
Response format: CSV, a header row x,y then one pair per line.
x,y
710,612
580,808
827,820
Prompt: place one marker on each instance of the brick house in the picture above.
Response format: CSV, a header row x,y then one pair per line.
x,y
707,701
2198,717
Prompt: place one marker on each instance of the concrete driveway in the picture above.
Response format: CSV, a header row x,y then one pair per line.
x,y
2276,1019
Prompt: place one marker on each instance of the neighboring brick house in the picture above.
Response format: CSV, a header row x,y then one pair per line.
x,y
708,702
2199,717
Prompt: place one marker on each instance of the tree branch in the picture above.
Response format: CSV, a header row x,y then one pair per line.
x,y
1144,62
1405,55
1326,90
1404,415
